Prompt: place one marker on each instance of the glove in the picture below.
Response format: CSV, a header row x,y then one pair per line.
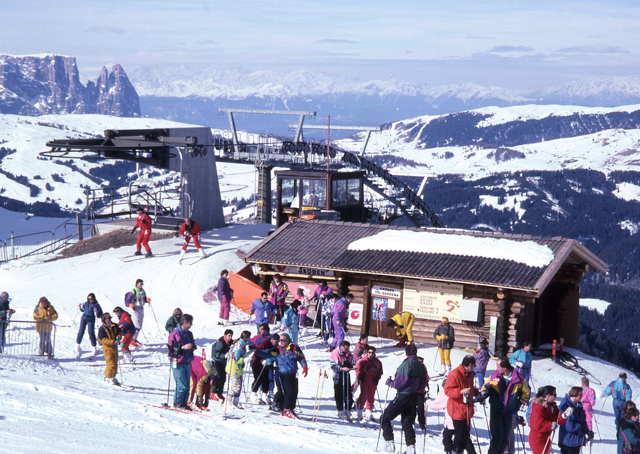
x,y
131,305
121,344
389,382
133,230
148,300
481,399
304,371
590,434
568,412
263,362
554,425
521,421
519,364
346,330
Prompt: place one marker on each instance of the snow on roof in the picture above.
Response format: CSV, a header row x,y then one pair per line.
x,y
528,252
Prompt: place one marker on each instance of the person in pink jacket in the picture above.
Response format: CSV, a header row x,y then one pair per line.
x,y
588,400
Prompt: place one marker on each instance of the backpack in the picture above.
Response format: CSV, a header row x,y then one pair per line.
x,y
126,297
627,447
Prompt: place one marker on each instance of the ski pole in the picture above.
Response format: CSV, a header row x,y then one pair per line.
x,y
521,435
315,401
168,384
436,357
486,418
233,358
438,392
382,416
549,439
154,317
477,439
74,319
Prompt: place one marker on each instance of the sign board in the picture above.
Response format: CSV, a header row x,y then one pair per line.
x,y
304,270
432,300
355,314
379,309
386,292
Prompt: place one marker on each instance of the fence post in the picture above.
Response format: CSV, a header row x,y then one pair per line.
x,y
13,250
79,219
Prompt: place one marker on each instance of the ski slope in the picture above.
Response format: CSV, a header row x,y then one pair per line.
x,y
62,405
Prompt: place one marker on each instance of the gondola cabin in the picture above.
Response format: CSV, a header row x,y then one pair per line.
x,y
303,194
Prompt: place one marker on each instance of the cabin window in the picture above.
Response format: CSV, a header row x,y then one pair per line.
x,y
353,186
290,193
314,194
339,192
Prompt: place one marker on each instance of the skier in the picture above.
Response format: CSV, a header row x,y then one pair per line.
x,y
588,401
403,323
620,392
339,315
327,309
411,376
203,375
190,229
341,364
303,310
571,436
144,224
235,368
174,320
136,299
219,352
482,357
445,335
368,372
521,360
90,310
421,396
128,331
507,391
460,390
278,292
290,321
360,347
259,367
629,432
545,418
5,316
322,293
225,295
44,314
110,336
263,309
287,357
181,341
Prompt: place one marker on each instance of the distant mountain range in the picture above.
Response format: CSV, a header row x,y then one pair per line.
x,y
50,84
194,96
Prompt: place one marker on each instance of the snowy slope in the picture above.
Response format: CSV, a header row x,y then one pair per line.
x,y
61,406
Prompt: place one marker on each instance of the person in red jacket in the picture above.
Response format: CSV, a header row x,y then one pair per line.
x,y
190,229
144,224
460,390
128,331
544,419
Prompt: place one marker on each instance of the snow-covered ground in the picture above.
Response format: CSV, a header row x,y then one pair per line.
x,y
62,406
595,304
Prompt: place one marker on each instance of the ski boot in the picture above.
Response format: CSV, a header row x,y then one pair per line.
x,y
78,351
137,252
289,414
389,446
148,254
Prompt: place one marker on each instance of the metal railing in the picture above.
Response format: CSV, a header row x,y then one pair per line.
x,y
27,338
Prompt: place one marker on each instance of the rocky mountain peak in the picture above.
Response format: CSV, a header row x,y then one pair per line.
x,y
50,84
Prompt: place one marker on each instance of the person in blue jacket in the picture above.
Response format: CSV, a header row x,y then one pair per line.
x,y
629,432
521,360
90,311
620,391
263,308
572,433
290,321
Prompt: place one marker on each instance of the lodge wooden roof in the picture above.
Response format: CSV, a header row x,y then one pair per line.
x,y
324,244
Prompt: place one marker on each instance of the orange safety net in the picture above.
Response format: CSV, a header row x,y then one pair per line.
x,y
244,291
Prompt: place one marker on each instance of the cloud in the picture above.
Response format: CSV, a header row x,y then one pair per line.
x,y
105,29
207,41
337,41
594,49
501,49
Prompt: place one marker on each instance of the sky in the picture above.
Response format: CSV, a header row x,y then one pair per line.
x,y
514,44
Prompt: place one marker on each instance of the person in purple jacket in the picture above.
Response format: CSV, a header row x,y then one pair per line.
x,y
278,292
482,357
225,294
181,346
339,314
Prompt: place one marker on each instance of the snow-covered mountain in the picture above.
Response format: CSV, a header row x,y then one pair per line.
x,y
63,406
50,84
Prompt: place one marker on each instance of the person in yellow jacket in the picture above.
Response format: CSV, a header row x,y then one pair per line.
x,y
445,335
109,336
44,314
235,368
403,323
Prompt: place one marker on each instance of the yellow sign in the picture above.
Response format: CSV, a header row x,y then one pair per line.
x,y
260,202
432,300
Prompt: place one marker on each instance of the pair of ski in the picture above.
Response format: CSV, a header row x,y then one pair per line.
x,y
190,412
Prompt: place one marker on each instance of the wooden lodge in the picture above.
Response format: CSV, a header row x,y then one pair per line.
x,y
503,287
